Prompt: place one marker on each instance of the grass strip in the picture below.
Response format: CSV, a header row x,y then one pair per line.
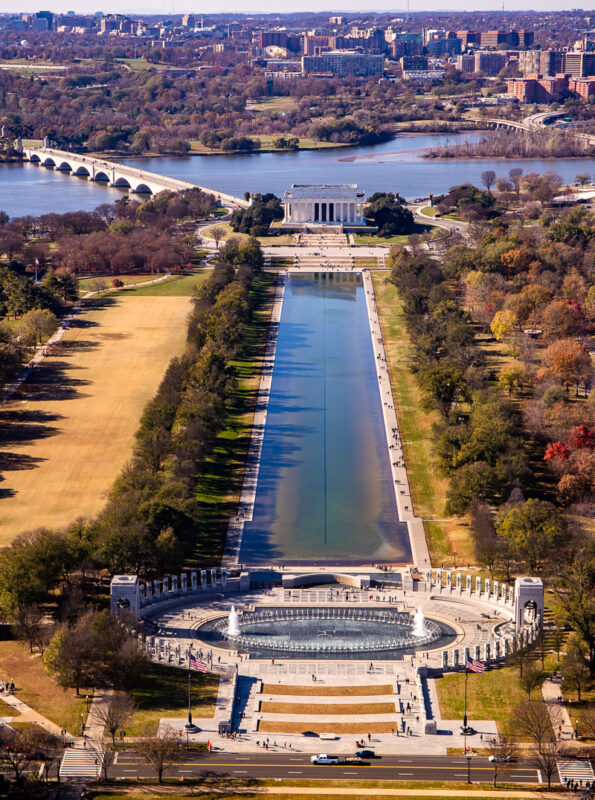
x,y
326,691
326,709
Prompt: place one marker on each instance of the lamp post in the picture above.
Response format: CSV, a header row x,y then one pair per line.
x,y
468,757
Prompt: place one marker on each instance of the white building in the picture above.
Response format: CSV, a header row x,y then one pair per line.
x,y
324,204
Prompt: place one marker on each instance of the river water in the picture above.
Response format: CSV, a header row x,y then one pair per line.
x,y
392,166
324,492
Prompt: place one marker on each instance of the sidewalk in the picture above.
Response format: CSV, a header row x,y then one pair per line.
x,y
551,691
31,715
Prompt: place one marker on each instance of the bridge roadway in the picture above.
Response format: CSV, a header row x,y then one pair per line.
x,y
289,764
539,121
119,175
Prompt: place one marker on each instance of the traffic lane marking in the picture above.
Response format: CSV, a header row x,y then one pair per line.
x,y
366,767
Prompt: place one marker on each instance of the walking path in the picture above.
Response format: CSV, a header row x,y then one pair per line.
x,y
559,717
27,714
417,537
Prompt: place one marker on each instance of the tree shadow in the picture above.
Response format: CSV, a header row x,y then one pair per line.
x,y
19,427
14,462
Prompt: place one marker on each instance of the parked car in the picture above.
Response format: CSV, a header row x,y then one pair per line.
x,y
322,758
365,754
500,758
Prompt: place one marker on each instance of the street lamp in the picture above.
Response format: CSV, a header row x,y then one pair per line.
x,y
468,756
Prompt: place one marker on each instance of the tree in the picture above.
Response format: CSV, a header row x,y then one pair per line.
x,y
531,720
545,757
531,679
160,752
574,671
19,748
586,722
30,626
569,361
503,324
574,592
503,751
38,324
515,175
486,544
533,528
389,214
71,657
512,378
444,385
582,178
217,234
488,177
114,712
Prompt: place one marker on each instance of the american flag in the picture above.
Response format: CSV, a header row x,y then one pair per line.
x,y
475,666
194,663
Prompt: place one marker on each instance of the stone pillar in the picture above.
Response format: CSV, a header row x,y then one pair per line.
x,y
497,590
459,582
203,579
488,587
125,595
157,585
478,585
194,581
439,579
445,659
528,597
455,658
477,652
184,582
143,593
467,654
486,651
223,578
174,584
497,650
429,578
449,581
166,585
214,581
469,583
149,591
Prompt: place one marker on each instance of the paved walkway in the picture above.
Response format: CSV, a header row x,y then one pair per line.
x,y
561,723
27,714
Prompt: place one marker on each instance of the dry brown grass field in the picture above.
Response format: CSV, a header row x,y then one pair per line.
x,y
66,434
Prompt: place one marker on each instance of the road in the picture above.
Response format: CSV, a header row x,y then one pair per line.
x,y
288,765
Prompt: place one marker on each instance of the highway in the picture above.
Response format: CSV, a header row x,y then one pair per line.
x,y
288,765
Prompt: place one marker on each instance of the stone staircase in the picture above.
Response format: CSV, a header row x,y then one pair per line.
x,y
322,239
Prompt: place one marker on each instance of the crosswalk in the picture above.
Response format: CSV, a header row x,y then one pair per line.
x,y
576,769
79,762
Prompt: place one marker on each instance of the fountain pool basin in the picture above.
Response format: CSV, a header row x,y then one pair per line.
x,y
326,632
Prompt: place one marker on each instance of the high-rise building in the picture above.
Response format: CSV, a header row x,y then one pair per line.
x,y
189,21
489,63
579,64
344,62
47,15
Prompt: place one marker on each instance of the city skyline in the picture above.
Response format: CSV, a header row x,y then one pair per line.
x,y
271,7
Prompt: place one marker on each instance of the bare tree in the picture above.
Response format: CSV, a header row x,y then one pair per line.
x,y
114,712
532,720
515,175
574,671
488,178
27,624
217,234
545,758
586,722
531,679
160,752
503,751
19,748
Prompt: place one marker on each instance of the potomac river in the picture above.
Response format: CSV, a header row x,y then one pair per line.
x,y
396,165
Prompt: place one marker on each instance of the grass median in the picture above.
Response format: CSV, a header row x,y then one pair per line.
x,y
326,691
326,709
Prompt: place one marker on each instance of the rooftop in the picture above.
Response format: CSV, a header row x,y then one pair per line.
x,y
307,191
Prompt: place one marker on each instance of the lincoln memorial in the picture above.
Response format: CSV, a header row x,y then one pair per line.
x,y
324,204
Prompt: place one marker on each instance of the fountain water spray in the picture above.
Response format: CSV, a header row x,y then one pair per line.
x,y
419,623
233,626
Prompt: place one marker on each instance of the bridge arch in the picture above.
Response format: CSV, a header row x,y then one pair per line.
x,y
34,158
82,171
142,188
49,162
65,167
101,177
122,183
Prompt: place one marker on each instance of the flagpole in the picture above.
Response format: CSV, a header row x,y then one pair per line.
x,y
189,724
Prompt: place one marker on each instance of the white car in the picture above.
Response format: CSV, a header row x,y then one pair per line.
x,y
322,758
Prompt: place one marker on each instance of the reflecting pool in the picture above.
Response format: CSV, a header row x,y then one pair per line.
x,y
325,491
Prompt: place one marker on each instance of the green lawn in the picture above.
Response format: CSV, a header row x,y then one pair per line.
x,y
429,211
492,695
228,232
164,693
428,489
182,286
89,284
373,239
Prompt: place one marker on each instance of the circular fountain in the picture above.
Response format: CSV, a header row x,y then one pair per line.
x,y
305,632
